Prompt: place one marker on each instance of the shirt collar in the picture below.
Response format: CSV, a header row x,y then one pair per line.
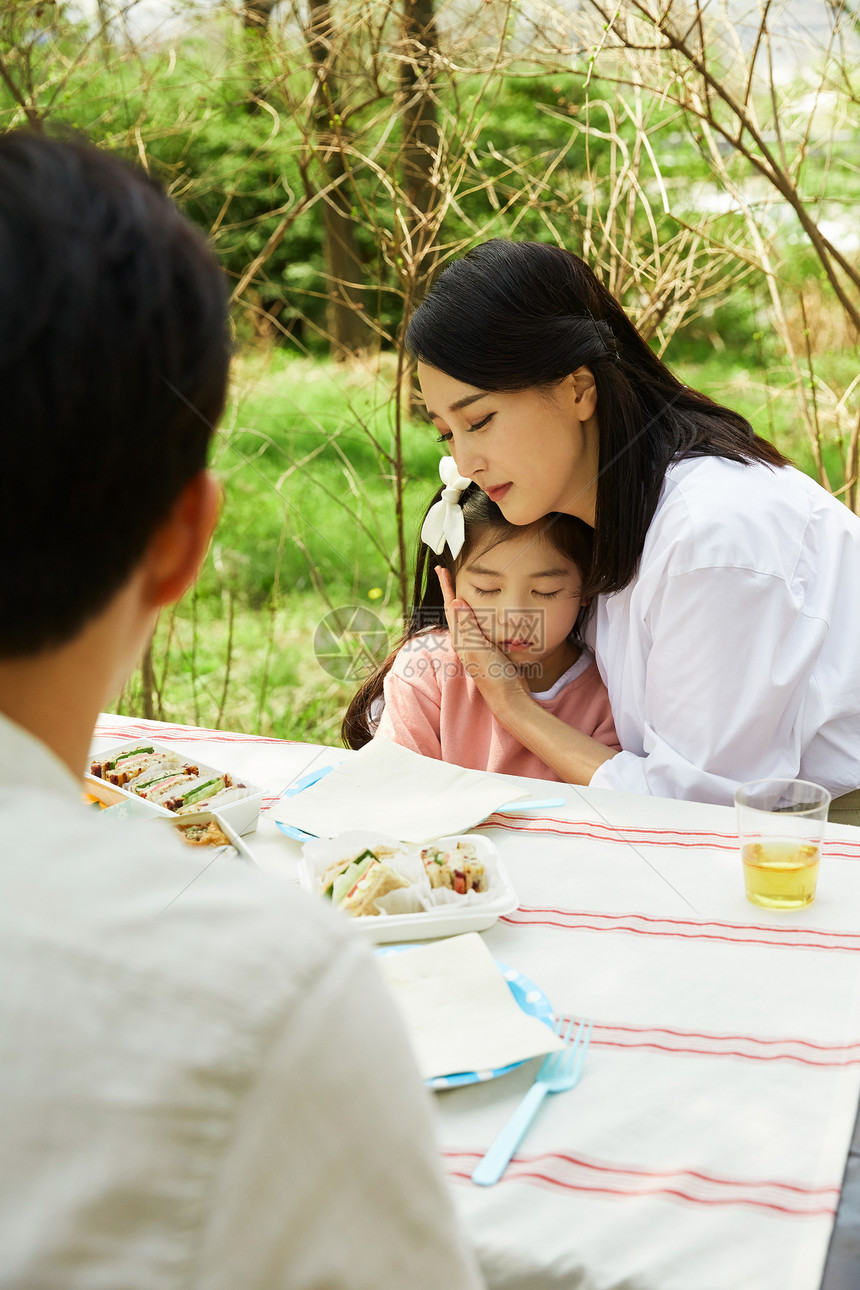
x,y
26,760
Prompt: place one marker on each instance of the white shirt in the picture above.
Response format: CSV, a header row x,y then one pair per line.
x,y
734,654
202,1080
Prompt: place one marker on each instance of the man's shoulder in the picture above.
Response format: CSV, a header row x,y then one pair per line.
x,y
122,898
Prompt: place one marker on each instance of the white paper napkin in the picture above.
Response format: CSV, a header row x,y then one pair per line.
x,y
459,1012
392,789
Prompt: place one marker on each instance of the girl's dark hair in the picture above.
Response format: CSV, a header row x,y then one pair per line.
x,y
522,315
486,527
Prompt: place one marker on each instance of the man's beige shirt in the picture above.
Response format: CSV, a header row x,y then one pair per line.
x,y
202,1080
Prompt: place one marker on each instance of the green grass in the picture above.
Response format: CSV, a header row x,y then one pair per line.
x,y
766,393
309,495
308,526
275,685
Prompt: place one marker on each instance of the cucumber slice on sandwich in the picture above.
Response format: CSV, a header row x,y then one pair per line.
x,y
346,880
200,791
135,752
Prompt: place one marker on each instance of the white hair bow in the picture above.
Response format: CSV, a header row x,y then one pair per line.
x,y
444,521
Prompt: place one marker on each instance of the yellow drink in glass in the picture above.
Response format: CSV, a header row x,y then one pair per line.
x,y
781,873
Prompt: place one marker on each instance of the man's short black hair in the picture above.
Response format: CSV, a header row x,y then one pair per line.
x,y
114,353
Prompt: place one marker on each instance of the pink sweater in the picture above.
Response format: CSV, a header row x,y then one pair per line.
x,y
434,708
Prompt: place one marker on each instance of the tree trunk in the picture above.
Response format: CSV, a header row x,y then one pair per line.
x,y
256,22
103,15
421,137
148,686
348,327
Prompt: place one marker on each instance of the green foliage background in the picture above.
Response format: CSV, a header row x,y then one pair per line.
x,y
306,444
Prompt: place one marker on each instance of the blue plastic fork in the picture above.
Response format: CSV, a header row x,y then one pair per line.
x,y
560,1071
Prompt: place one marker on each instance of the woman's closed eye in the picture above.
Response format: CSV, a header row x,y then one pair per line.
x,y
486,591
547,595
445,436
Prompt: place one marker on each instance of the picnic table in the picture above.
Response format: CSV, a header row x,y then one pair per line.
x,y
706,1144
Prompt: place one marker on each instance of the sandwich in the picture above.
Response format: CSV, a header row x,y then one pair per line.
x,y
375,880
143,765
355,885
214,797
456,868
167,780
334,882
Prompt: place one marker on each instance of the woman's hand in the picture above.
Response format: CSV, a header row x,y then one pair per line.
x,y
497,678
573,755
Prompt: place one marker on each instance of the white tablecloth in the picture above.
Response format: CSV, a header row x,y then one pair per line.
x,y
704,1147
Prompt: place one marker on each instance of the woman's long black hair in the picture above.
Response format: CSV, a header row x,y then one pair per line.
x,y
485,527
523,315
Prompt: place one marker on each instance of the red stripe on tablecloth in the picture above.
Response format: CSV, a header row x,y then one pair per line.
x,y
683,929
536,823
759,1057
594,831
680,1050
516,1175
711,922
634,835
568,1173
187,734
696,1034
640,1171
763,1048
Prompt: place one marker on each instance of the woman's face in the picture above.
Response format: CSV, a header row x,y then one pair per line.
x,y
531,451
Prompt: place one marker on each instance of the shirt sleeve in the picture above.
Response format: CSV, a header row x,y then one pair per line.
x,y
332,1176
726,677
584,704
412,713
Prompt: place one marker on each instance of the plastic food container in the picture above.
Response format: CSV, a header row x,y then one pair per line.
x,y
241,813
473,913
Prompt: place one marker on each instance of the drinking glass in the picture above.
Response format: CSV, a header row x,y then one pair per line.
x,y
781,828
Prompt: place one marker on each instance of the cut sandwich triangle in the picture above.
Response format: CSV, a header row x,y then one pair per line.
x,y
344,882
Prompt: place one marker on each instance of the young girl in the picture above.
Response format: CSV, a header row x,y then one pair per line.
x,y
523,585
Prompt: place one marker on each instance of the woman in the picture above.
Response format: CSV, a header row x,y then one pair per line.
x,y
727,619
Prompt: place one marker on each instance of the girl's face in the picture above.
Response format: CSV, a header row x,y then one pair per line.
x,y
531,451
525,595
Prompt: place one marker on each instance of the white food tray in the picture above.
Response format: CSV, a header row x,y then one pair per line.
x,y
241,814
478,912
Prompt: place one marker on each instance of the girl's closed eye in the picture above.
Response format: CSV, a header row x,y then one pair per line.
x,y
486,591
443,437
547,595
